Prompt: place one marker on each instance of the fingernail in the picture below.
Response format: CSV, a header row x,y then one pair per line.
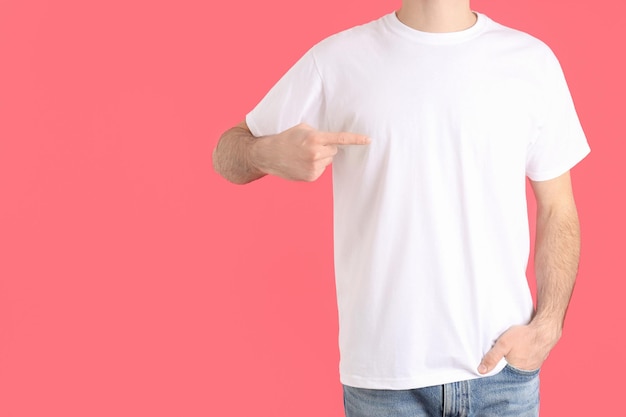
x,y
482,368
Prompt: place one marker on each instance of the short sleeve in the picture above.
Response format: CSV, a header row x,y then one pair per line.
x,y
561,142
296,98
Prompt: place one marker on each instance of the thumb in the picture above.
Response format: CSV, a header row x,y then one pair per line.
x,y
491,358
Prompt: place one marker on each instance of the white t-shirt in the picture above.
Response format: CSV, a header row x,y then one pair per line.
x,y
431,228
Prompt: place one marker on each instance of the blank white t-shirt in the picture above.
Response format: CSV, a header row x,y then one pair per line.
x,y
430,219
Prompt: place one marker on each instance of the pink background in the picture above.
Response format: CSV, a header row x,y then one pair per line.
x,y
134,281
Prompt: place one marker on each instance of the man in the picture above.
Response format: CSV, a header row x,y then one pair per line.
x,y
451,112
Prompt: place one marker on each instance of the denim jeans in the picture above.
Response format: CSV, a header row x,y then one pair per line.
x,y
510,393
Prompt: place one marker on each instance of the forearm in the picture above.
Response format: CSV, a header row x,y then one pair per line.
x,y
232,157
557,251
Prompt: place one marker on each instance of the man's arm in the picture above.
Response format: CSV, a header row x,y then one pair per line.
x,y
231,156
300,153
557,250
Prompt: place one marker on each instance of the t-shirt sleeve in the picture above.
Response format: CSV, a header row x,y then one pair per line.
x,y
560,143
296,98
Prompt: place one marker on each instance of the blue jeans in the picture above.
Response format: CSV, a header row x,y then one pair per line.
x,y
510,393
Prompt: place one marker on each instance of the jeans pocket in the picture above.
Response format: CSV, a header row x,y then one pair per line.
x,y
522,372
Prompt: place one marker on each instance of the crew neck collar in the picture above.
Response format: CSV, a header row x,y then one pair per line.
x,y
400,28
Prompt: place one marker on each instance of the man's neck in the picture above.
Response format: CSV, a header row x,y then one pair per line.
x,y
437,15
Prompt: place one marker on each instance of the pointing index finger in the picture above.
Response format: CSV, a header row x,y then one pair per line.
x,y
343,138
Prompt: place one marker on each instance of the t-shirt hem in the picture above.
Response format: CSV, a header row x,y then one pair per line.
x,y
420,381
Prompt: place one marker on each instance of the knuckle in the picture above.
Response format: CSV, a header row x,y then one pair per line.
x,y
504,345
302,126
310,172
311,176
315,172
310,139
310,157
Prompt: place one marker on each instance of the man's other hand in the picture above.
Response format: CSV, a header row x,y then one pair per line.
x,y
524,347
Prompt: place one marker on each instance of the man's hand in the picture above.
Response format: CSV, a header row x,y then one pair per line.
x,y
300,153
524,347
557,249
